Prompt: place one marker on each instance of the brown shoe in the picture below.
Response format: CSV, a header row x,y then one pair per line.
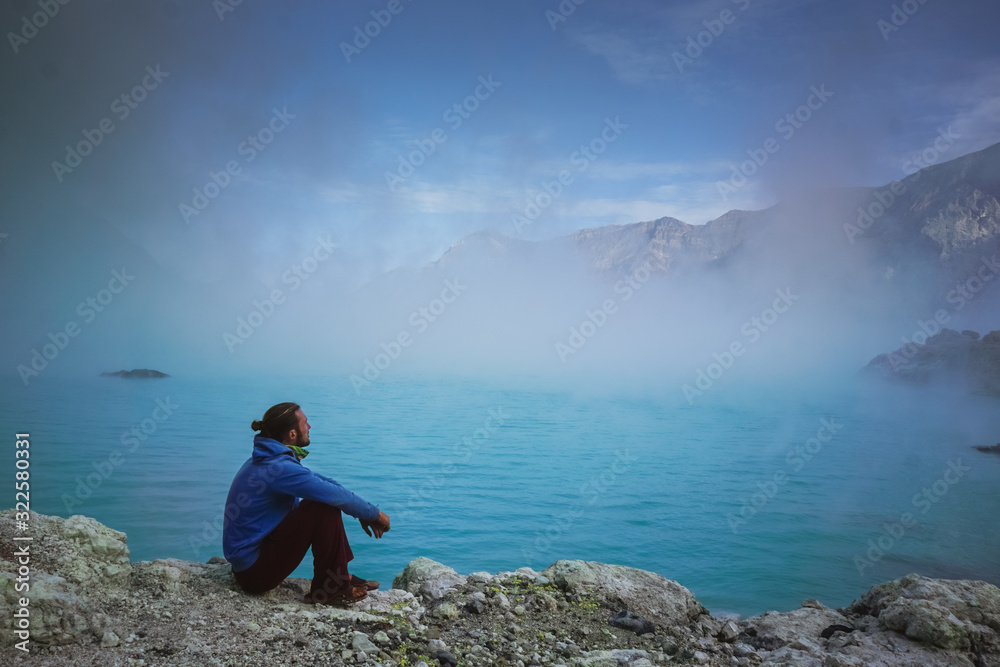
x,y
349,596
367,583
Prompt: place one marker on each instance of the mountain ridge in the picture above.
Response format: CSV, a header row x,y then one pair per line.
x,y
951,209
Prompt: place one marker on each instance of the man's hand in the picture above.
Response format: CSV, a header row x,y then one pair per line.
x,y
377,526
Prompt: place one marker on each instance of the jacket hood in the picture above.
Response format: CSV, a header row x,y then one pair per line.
x,y
268,448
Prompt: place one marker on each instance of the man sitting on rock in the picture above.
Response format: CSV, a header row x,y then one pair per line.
x,y
267,530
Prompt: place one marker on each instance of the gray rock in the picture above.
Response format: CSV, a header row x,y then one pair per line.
x,y
710,626
841,661
445,658
949,614
428,578
658,599
833,629
385,602
629,621
729,632
785,627
361,642
447,611
81,563
546,601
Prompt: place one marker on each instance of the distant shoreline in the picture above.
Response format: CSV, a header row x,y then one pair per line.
x,y
140,373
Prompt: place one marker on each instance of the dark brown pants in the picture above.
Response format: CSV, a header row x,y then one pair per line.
x,y
314,524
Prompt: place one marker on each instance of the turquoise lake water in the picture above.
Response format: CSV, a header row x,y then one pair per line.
x,y
715,495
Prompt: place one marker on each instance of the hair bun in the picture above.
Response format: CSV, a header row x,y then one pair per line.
x,y
256,425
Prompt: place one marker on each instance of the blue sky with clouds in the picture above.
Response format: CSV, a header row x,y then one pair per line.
x,y
693,88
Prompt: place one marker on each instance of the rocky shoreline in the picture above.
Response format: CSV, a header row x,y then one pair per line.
x,y
90,605
964,359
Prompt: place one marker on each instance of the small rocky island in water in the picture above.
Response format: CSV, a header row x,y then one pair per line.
x,y
963,359
89,604
140,373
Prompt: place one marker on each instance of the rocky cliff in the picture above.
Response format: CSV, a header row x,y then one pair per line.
x,y
964,359
87,604
940,220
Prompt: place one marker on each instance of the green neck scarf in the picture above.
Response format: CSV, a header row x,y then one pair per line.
x,y
300,453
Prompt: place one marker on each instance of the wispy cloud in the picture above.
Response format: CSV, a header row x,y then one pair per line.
x,y
632,59
626,171
978,121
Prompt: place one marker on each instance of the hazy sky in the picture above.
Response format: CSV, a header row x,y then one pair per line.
x,y
224,140
556,79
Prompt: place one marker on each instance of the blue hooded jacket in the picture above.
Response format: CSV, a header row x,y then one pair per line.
x,y
266,489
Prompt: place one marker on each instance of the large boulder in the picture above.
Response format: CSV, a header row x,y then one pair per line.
x,y
428,578
648,594
74,564
806,623
949,614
